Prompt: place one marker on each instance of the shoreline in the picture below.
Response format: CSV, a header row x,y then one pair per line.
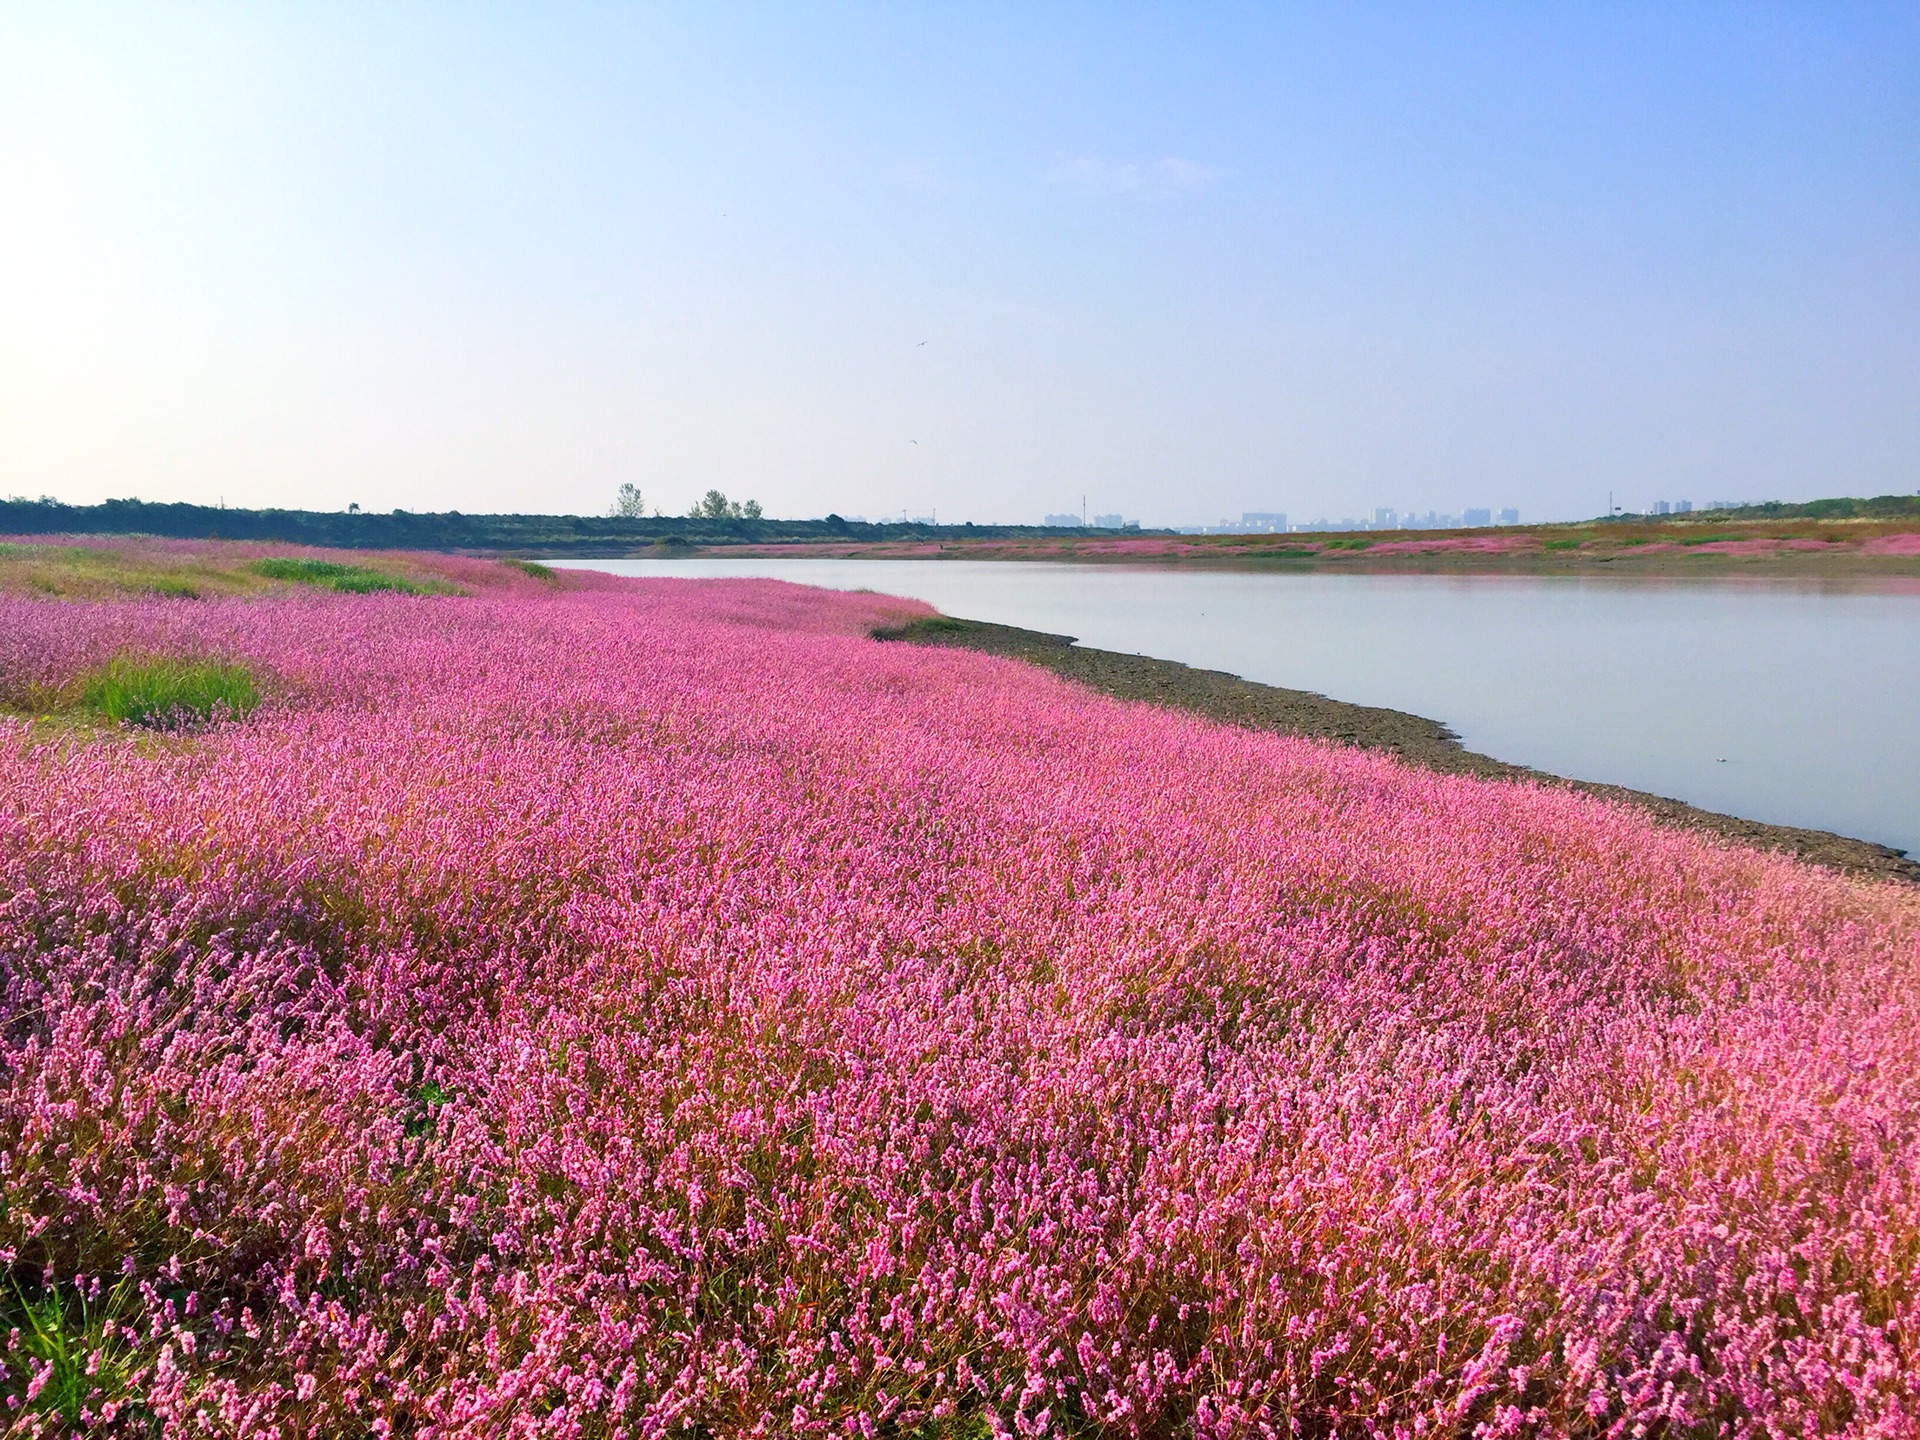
x,y
1413,739
1834,549
1673,565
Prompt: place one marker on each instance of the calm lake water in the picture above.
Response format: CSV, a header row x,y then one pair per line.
x,y
1781,701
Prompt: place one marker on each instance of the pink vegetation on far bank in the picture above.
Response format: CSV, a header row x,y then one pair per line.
x,y
1146,545
659,1009
1457,544
1760,545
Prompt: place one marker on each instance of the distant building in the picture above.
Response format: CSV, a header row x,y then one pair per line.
x,y
1510,516
1725,504
1660,507
1477,517
1064,520
1683,507
1252,522
1385,517
1109,522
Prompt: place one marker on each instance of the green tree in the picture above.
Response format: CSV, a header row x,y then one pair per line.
x,y
629,504
715,506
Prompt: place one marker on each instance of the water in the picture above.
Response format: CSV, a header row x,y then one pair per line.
x,y
1794,703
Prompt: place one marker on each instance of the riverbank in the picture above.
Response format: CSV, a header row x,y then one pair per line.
x,y
1410,738
1837,549
1838,538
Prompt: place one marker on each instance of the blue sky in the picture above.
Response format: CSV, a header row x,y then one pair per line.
x,y
1184,261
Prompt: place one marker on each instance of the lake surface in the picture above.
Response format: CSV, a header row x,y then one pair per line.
x,y
1796,703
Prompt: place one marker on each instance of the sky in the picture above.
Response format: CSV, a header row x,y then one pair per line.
x,y
1176,262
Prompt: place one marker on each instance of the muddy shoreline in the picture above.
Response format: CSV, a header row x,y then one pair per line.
x,y
1411,738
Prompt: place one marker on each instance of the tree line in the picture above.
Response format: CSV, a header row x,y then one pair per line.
x,y
717,521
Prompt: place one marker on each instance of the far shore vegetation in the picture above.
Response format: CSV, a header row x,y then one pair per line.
x,y
1873,534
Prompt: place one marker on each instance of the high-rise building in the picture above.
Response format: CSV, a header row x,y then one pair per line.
x,y
1385,517
1683,507
1660,507
1509,516
1477,517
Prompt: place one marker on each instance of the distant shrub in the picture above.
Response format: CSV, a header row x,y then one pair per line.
x,y
167,694
1561,545
331,575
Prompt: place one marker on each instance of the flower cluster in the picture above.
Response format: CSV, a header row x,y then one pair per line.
x,y
655,1008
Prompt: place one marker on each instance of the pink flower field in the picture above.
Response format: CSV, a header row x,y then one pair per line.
x,y
655,1008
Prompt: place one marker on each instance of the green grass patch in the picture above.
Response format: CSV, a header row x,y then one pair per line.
x,y
533,568
170,694
98,572
1709,539
1347,545
349,579
82,1347
1561,545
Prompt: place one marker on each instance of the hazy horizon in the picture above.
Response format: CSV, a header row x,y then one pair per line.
x,y
1182,264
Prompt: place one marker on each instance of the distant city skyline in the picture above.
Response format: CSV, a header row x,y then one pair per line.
x,y
1188,262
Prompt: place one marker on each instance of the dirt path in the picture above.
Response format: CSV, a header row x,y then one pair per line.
x,y
1411,738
